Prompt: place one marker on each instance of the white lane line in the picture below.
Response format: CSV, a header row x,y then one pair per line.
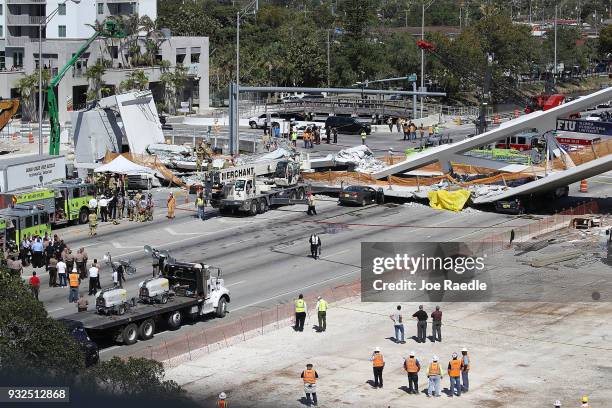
x,y
109,349
172,232
55,310
335,253
235,283
297,290
119,246
238,242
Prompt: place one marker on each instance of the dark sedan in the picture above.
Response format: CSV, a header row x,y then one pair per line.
x,y
360,195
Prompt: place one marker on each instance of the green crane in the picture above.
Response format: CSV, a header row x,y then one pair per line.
x,y
109,29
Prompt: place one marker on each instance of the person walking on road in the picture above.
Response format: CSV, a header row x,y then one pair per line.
x,y
35,285
93,223
309,377
222,401
378,364
62,273
421,317
335,134
94,278
171,206
465,370
434,373
201,205
311,204
421,131
74,287
436,325
322,314
82,303
454,372
315,246
294,138
585,402
412,367
398,325
364,135
390,123
300,313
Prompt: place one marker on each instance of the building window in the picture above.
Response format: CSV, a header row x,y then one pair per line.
x,y
1,31
100,8
61,9
61,31
1,9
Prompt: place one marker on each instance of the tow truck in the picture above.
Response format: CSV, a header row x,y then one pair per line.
x,y
195,289
255,195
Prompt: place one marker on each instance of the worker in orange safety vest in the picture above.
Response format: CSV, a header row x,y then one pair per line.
x,y
412,367
378,364
222,401
309,376
454,372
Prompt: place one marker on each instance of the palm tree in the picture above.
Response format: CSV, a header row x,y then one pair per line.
x,y
27,87
94,76
136,80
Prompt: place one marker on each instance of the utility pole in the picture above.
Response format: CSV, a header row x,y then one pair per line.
x,y
328,61
555,67
529,11
422,54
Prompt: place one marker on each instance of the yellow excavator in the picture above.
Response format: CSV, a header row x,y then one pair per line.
x,y
8,109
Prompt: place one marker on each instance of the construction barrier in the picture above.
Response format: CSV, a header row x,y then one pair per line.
x,y
30,138
584,188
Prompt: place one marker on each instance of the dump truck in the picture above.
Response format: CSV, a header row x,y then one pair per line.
x,y
195,289
255,195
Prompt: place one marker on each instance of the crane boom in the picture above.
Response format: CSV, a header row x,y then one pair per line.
x,y
108,30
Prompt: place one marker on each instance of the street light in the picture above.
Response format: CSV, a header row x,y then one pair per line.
x,y
424,7
44,20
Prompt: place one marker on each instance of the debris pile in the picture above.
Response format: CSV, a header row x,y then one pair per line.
x,y
361,157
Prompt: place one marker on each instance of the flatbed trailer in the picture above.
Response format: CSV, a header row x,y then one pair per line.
x,y
261,202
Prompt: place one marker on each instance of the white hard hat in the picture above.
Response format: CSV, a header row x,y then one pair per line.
x,y
454,355
557,403
222,396
377,349
464,349
411,354
435,358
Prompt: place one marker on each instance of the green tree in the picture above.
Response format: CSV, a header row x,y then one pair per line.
x,y
94,75
605,41
136,80
173,83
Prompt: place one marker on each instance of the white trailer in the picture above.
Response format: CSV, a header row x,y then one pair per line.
x,y
30,171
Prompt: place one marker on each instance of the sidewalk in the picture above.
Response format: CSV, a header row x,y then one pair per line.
x,y
523,356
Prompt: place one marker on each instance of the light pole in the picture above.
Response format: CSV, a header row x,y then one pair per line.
x,y
253,7
44,20
555,62
429,3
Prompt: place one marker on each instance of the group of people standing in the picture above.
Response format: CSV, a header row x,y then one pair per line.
x,y
410,129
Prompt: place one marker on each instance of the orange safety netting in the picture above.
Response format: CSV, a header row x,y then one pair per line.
x,y
151,162
589,153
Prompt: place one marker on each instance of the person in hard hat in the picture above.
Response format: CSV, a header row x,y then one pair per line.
x,y
300,313
412,367
585,402
92,218
465,370
557,404
222,401
322,314
171,206
309,376
434,373
454,372
378,364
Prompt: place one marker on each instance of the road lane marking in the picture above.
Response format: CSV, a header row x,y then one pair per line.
x,y
109,349
235,283
119,246
335,253
172,232
55,310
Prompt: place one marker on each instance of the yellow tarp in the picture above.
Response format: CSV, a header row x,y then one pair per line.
x,y
448,200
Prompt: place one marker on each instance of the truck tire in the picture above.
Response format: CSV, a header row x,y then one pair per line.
x,y
221,308
293,195
174,320
164,299
83,216
129,334
121,309
261,206
300,194
253,208
253,124
146,329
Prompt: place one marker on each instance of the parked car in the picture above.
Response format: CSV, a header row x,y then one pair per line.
x,y
360,195
290,98
256,122
347,125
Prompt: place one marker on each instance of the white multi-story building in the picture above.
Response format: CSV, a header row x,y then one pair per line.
x,y
68,25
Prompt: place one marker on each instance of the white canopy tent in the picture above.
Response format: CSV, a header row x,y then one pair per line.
x,y
121,165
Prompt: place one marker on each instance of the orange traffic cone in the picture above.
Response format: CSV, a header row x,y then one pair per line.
x,y
497,120
584,188
31,138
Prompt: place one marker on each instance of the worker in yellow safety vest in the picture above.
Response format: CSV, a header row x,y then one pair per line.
x,y
364,135
309,376
222,401
378,364
434,373
300,313
294,137
412,367
454,372
585,402
322,314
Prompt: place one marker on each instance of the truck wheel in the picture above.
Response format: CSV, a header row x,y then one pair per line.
x,y
253,208
261,207
221,308
293,195
164,299
146,330
253,124
300,194
121,310
83,216
174,320
266,207
129,334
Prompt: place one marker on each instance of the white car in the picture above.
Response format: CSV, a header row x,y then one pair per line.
x,y
290,98
256,122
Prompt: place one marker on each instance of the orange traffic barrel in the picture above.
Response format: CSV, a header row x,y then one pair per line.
x,y
497,120
31,138
584,187
517,113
